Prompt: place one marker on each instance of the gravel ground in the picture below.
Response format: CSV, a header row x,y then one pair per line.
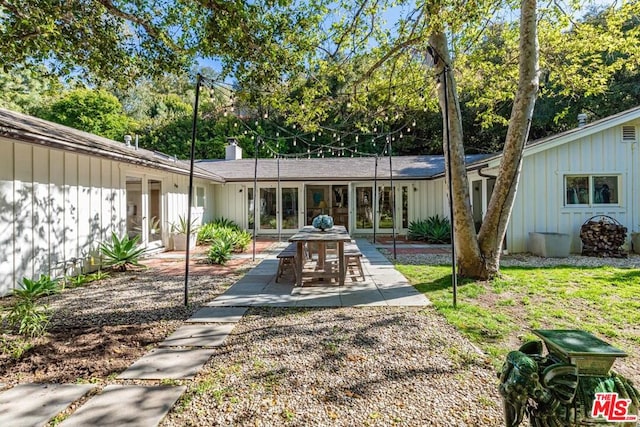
x,y
375,366
521,260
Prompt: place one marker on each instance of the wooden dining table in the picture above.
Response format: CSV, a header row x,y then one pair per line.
x,y
337,234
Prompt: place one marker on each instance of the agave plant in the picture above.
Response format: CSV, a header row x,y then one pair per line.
x,y
182,225
432,230
120,254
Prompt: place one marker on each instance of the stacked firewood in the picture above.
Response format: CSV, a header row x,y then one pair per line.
x,y
603,238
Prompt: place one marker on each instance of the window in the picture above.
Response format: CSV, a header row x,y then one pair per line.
x,y
591,190
198,200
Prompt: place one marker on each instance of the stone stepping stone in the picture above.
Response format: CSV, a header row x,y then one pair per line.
x,y
199,335
168,363
218,315
126,405
35,404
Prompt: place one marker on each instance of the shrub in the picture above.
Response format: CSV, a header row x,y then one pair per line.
x,y
243,239
220,251
226,230
27,315
121,253
225,223
432,230
97,276
34,289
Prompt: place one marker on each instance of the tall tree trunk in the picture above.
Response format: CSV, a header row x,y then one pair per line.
x,y
478,256
494,225
468,253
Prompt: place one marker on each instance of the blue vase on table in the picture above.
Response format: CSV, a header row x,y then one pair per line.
x,y
322,222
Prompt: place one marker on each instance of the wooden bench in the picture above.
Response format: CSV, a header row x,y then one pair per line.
x,y
352,258
287,260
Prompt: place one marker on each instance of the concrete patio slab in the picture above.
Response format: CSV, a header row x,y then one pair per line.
x,y
35,404
127,405
218,315
199,335
168,363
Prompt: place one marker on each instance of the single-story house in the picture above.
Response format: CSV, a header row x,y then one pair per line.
x,y
63,191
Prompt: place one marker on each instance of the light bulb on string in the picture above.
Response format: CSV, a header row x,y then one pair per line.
x,y
408,130
413,123
400,135
294,141
356,138
313,138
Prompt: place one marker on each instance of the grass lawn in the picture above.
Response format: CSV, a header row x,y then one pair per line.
x,y
498,315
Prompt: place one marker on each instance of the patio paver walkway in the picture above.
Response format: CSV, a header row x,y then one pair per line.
x,y
37,403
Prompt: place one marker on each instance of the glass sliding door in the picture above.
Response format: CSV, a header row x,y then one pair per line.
x,y
250,209
134,206
405,207
364,208
318,201
268,209
290,209
385,208
155,210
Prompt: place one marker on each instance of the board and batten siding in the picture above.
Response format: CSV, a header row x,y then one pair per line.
x,y
57,205
229,201
540,204
54,206
428,199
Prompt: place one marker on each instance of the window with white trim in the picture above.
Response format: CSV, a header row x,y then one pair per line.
x,y
588,190
199,197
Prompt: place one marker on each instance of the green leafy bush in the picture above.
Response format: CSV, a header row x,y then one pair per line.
x,y
120,254
226,230
242,241
432,230
220,251
28,315
34,289
97,276
225,223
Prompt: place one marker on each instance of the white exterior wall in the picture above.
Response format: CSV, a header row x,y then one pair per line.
x,y
430,199
56,205
539,204
229,202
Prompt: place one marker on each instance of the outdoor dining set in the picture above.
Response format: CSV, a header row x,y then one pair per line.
x,y
320,254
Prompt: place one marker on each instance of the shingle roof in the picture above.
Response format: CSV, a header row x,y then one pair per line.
x,y
330,169
33,130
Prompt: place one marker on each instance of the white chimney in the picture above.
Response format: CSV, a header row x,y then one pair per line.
x,y
233,150
582,120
